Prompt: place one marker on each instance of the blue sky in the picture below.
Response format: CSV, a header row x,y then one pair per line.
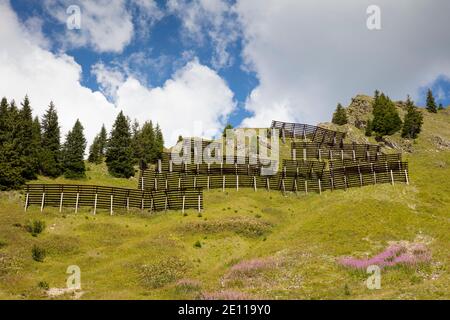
x,y
205,63
165,40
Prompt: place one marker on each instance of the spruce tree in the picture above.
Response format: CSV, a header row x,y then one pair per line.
x,y
413,121
147,141
94,151
159,143
339,116
102,141
227,127
4,118
119,155
368,131
136,145
27,146
51,148
431,103
73,153
97,149
386,120
441,107
10,161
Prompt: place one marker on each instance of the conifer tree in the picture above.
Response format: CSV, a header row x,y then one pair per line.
x,y
51,148
26,145
94,151
368,131
97,149
119,155
147,140
4,118
103,140
441,107
159,143
73,153
339,116
227,127
10,162
413,121
136,144
386,120
431,103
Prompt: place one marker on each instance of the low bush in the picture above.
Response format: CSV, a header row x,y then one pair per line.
x,y
35,227
38,253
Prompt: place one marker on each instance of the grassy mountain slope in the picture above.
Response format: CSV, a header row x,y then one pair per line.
x,y
295,238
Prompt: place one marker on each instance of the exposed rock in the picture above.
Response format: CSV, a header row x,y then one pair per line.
x,y
440,143
359,111
404,145
361,107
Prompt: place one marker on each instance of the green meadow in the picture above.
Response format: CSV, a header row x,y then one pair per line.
x,y
296,240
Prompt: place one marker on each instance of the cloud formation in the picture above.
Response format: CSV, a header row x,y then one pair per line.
x,y
310,55
194,93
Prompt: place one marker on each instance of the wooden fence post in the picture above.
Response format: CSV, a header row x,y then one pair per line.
x,y
61,199
184,201
95,203
223,183
112,203
304,153
237,182
406,177
42,201
320,186
76,202
254,182
392,178
208,182
294,154
199,203
26,201
306,186
142,182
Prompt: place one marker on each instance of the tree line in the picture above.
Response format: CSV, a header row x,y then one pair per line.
x,y
30,146
386,120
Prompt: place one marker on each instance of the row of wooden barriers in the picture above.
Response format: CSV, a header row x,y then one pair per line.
x,y
320,161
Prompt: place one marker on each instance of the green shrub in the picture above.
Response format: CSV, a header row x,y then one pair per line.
x,y
38,253
43,285
2,243
197,244
35,227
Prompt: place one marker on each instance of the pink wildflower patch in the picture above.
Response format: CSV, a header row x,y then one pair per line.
x,y
226,295
394,255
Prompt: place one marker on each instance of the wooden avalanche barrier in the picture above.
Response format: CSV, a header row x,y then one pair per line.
x,y
112,198
307,132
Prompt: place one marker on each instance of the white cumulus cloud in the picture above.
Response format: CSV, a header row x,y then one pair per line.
x,y
309,55
195,94
194,102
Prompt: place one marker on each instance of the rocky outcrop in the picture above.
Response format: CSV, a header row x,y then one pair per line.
x,y
359,111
